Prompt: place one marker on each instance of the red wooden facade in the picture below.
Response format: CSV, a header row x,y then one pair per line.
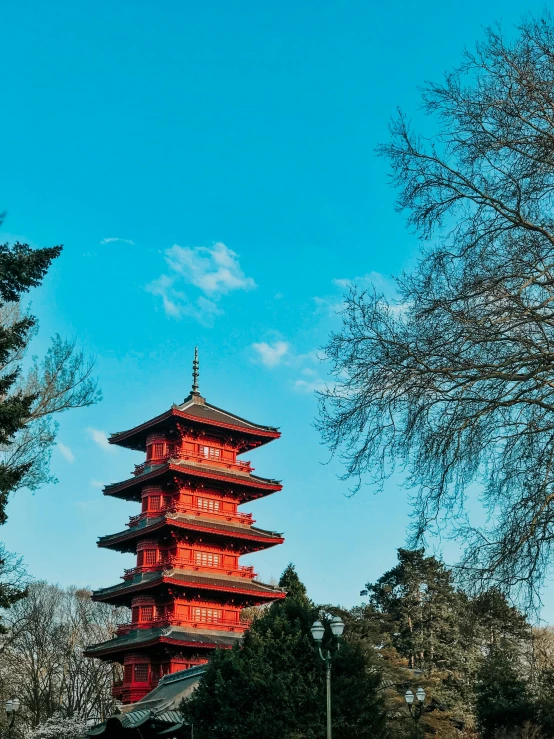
x,y
188,588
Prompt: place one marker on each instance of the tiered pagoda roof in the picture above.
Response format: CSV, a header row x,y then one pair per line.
x,y
187,589
195,410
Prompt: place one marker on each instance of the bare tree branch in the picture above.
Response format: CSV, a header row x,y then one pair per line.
x,y
455,381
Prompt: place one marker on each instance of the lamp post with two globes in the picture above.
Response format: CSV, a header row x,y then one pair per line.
x,y
318,632
12,706
417,707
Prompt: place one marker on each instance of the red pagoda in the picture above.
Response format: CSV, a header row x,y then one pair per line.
x,y
187,590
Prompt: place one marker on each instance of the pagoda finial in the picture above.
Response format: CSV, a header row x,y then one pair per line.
x,y
195,367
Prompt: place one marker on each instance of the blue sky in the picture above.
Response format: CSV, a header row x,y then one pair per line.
x,y
209,168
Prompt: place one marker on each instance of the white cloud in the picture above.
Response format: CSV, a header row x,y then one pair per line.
x,y
309,386
97,484
373,281
312,383
111,239
65,451
334,304
100,438
214,271
330,305
272,354
176,303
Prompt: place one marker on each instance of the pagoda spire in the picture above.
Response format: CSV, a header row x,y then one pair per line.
x,y
195,372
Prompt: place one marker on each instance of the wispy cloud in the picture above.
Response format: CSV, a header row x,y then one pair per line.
x,y
309,386
111,239
97,484
177,304
215,270
271,354
282,353
65,451
332,305
310,382
212,270
100,438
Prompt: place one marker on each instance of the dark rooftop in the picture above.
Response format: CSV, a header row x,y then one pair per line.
x,y
149,580
194,523
177,634
195,408
205,471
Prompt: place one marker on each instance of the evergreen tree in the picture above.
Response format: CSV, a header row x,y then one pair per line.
x,y
429,632
419,597
503,700
29,401
21,268
272,686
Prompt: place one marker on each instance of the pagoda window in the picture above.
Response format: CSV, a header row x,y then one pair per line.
x,y
134,614
147,613
206,615
144,505
157,450
207,559
211,452
208,504
128,673
154,503
150,557
141,673
140,558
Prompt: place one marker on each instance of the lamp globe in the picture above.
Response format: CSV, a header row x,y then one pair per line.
x,y
318,630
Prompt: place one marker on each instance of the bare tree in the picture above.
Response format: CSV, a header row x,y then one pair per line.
x,y
454,380
42,655
13,583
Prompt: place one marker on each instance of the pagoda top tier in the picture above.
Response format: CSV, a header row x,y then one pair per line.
x,y
197,412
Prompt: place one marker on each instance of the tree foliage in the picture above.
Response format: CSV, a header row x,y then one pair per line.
x,y
30,401
429,632
273,685
453,380
503,699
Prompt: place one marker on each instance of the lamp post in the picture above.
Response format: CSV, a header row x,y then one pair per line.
x,y
416,707
318,631
12,707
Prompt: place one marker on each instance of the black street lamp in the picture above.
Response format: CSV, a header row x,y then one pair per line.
x,y
318,631
416,707
12,707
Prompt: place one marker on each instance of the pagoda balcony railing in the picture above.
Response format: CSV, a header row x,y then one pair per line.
x,y
244,518
238,464
224,623
186,564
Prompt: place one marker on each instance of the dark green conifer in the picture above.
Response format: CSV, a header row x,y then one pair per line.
x,y
273,685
